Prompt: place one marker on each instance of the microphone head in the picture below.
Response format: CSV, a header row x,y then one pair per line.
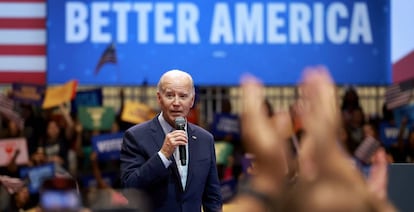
x,y
180,123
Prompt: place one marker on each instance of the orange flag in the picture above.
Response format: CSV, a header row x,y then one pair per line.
x,y
136,112
56,95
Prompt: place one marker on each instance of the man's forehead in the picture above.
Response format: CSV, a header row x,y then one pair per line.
x,y
176,84
178,89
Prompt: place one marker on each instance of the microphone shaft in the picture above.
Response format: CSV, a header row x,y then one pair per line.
x,y
180,125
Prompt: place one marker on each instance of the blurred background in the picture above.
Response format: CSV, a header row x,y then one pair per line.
x,y
75,74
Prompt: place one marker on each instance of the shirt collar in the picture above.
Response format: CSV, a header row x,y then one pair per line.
x,y
166,127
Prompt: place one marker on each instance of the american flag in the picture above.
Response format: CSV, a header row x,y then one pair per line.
x,y
23,41
399,94
366,149
108,56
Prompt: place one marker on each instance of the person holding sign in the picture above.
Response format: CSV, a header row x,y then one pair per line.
x,y
55,141
150,156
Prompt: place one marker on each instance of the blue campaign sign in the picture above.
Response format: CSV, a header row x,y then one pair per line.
x,y
92,97
28,93
226,125
128,42
406,111
107,146
37,175
389,132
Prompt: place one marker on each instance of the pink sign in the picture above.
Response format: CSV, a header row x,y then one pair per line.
x,y
13,149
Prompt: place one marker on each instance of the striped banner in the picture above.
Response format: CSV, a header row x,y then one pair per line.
x,y
23,41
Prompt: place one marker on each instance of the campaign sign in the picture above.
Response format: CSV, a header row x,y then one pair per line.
x,y
91,97
28,93
13,149
96,118
59,94
406,111
127,42
226,126
137,112
389,133
36,175
107,146
223,150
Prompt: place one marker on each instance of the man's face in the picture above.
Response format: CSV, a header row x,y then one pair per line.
x,y
175,98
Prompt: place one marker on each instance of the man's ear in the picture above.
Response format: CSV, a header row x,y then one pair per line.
x,y
158,96
193,101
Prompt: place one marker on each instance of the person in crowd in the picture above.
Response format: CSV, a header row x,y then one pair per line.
x,y
56,141
409,149
12,130
104,196
20,200
123,125
353,118
228,132
398,148
327,180
150,158
33,126
14,190
393,134
350,103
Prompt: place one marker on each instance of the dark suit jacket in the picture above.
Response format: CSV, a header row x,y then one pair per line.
x,y
142,168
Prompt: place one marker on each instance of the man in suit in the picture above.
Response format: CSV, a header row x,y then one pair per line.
x,y
150,159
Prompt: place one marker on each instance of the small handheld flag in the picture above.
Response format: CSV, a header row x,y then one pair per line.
x,y
108,56
399,94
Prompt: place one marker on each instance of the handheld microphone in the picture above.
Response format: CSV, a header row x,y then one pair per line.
x,y
180,125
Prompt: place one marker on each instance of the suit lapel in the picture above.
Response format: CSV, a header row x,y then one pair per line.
x,y
157,133
192,143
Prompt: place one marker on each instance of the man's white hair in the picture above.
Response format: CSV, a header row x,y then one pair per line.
x,y
175,72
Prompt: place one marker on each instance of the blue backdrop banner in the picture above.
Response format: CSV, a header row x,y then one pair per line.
x,y
127,42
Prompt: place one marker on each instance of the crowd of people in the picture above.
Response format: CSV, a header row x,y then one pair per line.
x,y
309,157
55,138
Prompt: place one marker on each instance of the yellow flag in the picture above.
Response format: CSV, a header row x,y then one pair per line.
x,y
136,112
56,95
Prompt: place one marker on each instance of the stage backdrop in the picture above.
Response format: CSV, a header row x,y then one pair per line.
x,y
130,42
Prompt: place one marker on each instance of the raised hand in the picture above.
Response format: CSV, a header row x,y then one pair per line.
x,y
264,136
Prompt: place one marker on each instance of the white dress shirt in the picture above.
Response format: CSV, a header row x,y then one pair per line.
x,y
182,170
